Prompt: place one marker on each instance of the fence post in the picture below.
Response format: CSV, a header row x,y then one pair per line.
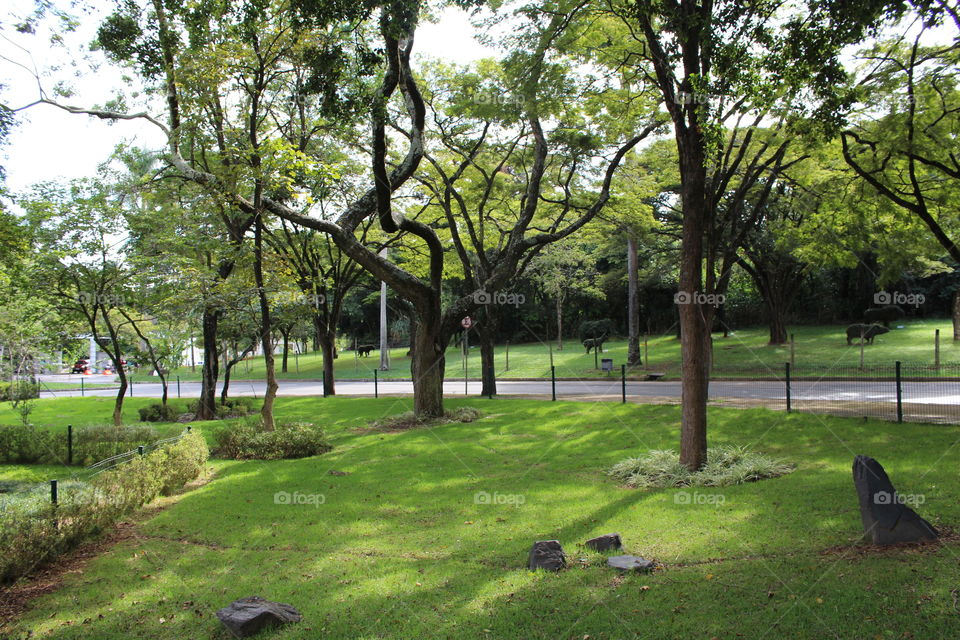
x,y
81,387
786,366
69,444
140,450
646,351
936,350
623,383
130,387
899,393
54,493
553,382
323,381
189,428
376,391
507,354
793,351
178,386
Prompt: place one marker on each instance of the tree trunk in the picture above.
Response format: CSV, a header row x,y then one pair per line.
x,y
327,342
633,304
427,364
317,330
266,337
778,322
559,323
206,406
286,349
226,382
695,330
487,331
956,314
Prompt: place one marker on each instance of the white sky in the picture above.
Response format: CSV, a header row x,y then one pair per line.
x,y
50,144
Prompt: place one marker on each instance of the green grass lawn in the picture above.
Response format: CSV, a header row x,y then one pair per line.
x,y
824,347
400,548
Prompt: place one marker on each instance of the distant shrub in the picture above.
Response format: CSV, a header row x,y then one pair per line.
x,y
18,390
27,444
159,412
725,466
232,408
33,532
247,440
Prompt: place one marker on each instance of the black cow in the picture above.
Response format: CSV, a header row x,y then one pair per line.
x,y
865,331
885,314
365,349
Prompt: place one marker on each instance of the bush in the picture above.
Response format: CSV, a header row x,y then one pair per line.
x,y
32,531
232,408
26,444
19,390
246,440
158,412
725,466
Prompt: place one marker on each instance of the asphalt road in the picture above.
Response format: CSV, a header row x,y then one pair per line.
x,y
943,393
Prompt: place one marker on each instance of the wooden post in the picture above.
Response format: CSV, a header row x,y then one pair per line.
x,y
793,350
507,354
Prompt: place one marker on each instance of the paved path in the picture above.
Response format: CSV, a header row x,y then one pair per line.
x,y
943,393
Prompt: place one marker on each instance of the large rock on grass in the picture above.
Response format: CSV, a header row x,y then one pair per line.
x,y
886,519
605,542
248,616
631,563
547,554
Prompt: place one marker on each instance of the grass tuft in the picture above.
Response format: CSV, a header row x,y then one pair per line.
x,y
726,466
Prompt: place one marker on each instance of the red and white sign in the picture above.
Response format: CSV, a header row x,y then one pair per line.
x,y
466,323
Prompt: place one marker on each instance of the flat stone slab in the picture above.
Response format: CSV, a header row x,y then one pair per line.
x,y
605,542
885,517
547,554
248,616
631,563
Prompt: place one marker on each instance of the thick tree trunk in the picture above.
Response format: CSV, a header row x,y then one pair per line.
x,y
206,409
633,304
956,314
327,348
777,321
266,337
427,364
695,330
487,332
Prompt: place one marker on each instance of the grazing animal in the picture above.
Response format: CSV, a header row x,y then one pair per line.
x,y
365,349
885,314
865,331
594,343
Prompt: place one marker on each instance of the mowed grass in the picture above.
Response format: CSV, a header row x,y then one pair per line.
x,y
402,547
820,346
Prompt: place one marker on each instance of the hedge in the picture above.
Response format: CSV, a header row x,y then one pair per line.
x,y
33,532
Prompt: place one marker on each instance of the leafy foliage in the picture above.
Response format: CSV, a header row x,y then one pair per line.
x,y
726,465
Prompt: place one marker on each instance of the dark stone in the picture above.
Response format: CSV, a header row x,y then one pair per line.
x,y
248,616
605,542
547,554
885,518
631,563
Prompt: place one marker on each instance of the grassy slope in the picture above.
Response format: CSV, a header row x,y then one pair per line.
x,y
399,549
822,346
